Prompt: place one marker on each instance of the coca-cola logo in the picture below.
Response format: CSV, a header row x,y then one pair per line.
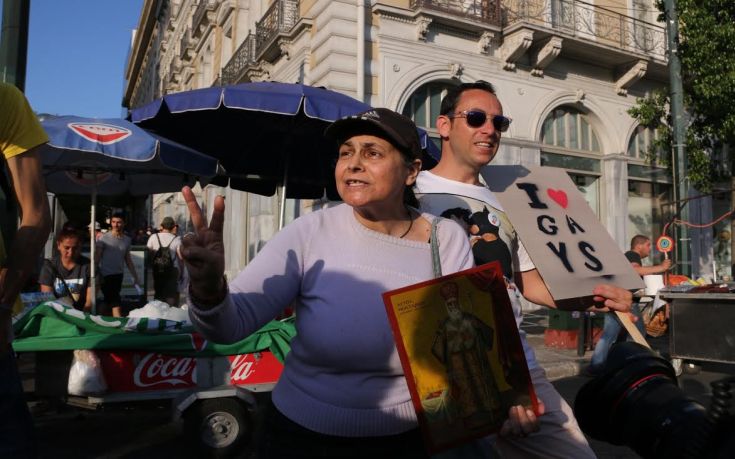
x,y
241,367
158,369
256,368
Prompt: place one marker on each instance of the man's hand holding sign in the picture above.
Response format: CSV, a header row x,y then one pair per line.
x,y
572,251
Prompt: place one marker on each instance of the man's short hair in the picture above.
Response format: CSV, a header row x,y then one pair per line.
x,y
119,215
449,103
168,223
638,239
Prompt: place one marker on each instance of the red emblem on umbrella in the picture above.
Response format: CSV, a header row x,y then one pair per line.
x,y
104,134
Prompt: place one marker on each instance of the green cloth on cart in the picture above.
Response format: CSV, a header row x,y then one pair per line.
x,y
52,326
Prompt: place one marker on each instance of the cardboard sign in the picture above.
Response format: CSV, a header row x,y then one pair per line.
x,y
571,249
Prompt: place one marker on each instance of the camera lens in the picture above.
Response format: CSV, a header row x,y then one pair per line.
x,y
636,402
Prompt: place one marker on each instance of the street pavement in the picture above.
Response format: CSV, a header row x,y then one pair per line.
x,y
132,432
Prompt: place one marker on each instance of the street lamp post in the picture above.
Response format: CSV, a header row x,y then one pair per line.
x,y
679,159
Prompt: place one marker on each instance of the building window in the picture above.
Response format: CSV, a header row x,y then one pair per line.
x,y
423,107
649,208
569,142
640,142
567,128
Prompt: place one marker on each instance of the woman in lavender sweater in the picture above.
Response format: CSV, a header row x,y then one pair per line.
x,y
342,392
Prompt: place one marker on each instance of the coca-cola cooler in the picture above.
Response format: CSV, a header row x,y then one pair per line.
x,y
141,371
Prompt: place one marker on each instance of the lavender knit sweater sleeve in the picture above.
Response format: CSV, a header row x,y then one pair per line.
x,y
343,375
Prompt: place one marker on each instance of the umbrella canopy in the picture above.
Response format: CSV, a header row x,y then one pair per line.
x,y
265,134
113,156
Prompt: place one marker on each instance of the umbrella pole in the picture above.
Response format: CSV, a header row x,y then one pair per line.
x,y
282,197
92,250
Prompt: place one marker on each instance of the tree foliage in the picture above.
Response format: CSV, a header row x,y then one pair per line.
x,y
706,51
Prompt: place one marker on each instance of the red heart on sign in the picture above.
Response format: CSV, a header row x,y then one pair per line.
x,y
559,196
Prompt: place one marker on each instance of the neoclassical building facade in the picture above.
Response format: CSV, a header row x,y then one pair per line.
x,y
566,71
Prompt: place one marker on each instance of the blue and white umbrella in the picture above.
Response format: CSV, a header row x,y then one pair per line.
x,y
114,156
267,135
89,156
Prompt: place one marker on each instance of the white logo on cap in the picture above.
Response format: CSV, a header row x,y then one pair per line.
x,y
371,114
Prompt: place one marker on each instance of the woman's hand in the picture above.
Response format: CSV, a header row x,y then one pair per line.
x,y
204,252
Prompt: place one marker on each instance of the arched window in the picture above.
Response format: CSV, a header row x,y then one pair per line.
x,y
641,141
569,141
649,187
566,127
424,104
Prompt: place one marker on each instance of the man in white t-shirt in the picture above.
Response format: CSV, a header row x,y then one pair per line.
x,y
165,277
470,125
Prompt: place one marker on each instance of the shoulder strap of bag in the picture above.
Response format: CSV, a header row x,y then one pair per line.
x,y
66,286
435,259
164,246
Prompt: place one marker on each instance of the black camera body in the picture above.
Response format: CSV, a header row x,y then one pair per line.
x,y
636,401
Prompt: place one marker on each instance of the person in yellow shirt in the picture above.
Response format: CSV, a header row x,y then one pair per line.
x,y
21,137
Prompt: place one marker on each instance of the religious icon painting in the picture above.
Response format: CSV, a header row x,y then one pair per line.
x,y
461,353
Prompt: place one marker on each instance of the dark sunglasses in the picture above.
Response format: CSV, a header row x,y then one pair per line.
x,y
476,118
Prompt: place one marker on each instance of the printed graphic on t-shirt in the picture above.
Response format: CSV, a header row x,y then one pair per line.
x,y
491,234
75,286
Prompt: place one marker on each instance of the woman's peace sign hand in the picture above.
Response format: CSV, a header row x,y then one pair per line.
x,y
204,253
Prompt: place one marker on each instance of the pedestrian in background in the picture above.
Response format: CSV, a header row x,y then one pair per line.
x,y
21,138
68,273
165,263
112,253
640,248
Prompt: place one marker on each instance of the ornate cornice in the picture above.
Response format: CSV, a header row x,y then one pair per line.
x,y
486,39
422,27
546,55
514,47
633,74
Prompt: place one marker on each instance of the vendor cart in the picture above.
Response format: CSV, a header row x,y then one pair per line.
x,y
213,388
701,326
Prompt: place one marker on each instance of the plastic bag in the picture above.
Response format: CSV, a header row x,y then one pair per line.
x,y
85,375
159,310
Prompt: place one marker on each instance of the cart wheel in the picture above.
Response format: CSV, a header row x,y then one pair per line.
x,y
219,427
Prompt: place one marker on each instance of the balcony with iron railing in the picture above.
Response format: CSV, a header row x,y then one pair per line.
x,y
589,23
201,17
280,19
243,59
485,11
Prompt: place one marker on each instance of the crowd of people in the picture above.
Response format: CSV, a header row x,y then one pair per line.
x,y
67,273
343,391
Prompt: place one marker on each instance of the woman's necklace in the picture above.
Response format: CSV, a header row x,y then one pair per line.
x,y
410,225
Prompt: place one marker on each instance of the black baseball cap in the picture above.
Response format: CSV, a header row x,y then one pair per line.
x,y
381,122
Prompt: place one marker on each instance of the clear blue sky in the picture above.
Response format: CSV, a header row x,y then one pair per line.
x,y
77,52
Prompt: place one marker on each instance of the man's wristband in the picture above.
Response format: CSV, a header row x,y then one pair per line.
x,y
209,303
